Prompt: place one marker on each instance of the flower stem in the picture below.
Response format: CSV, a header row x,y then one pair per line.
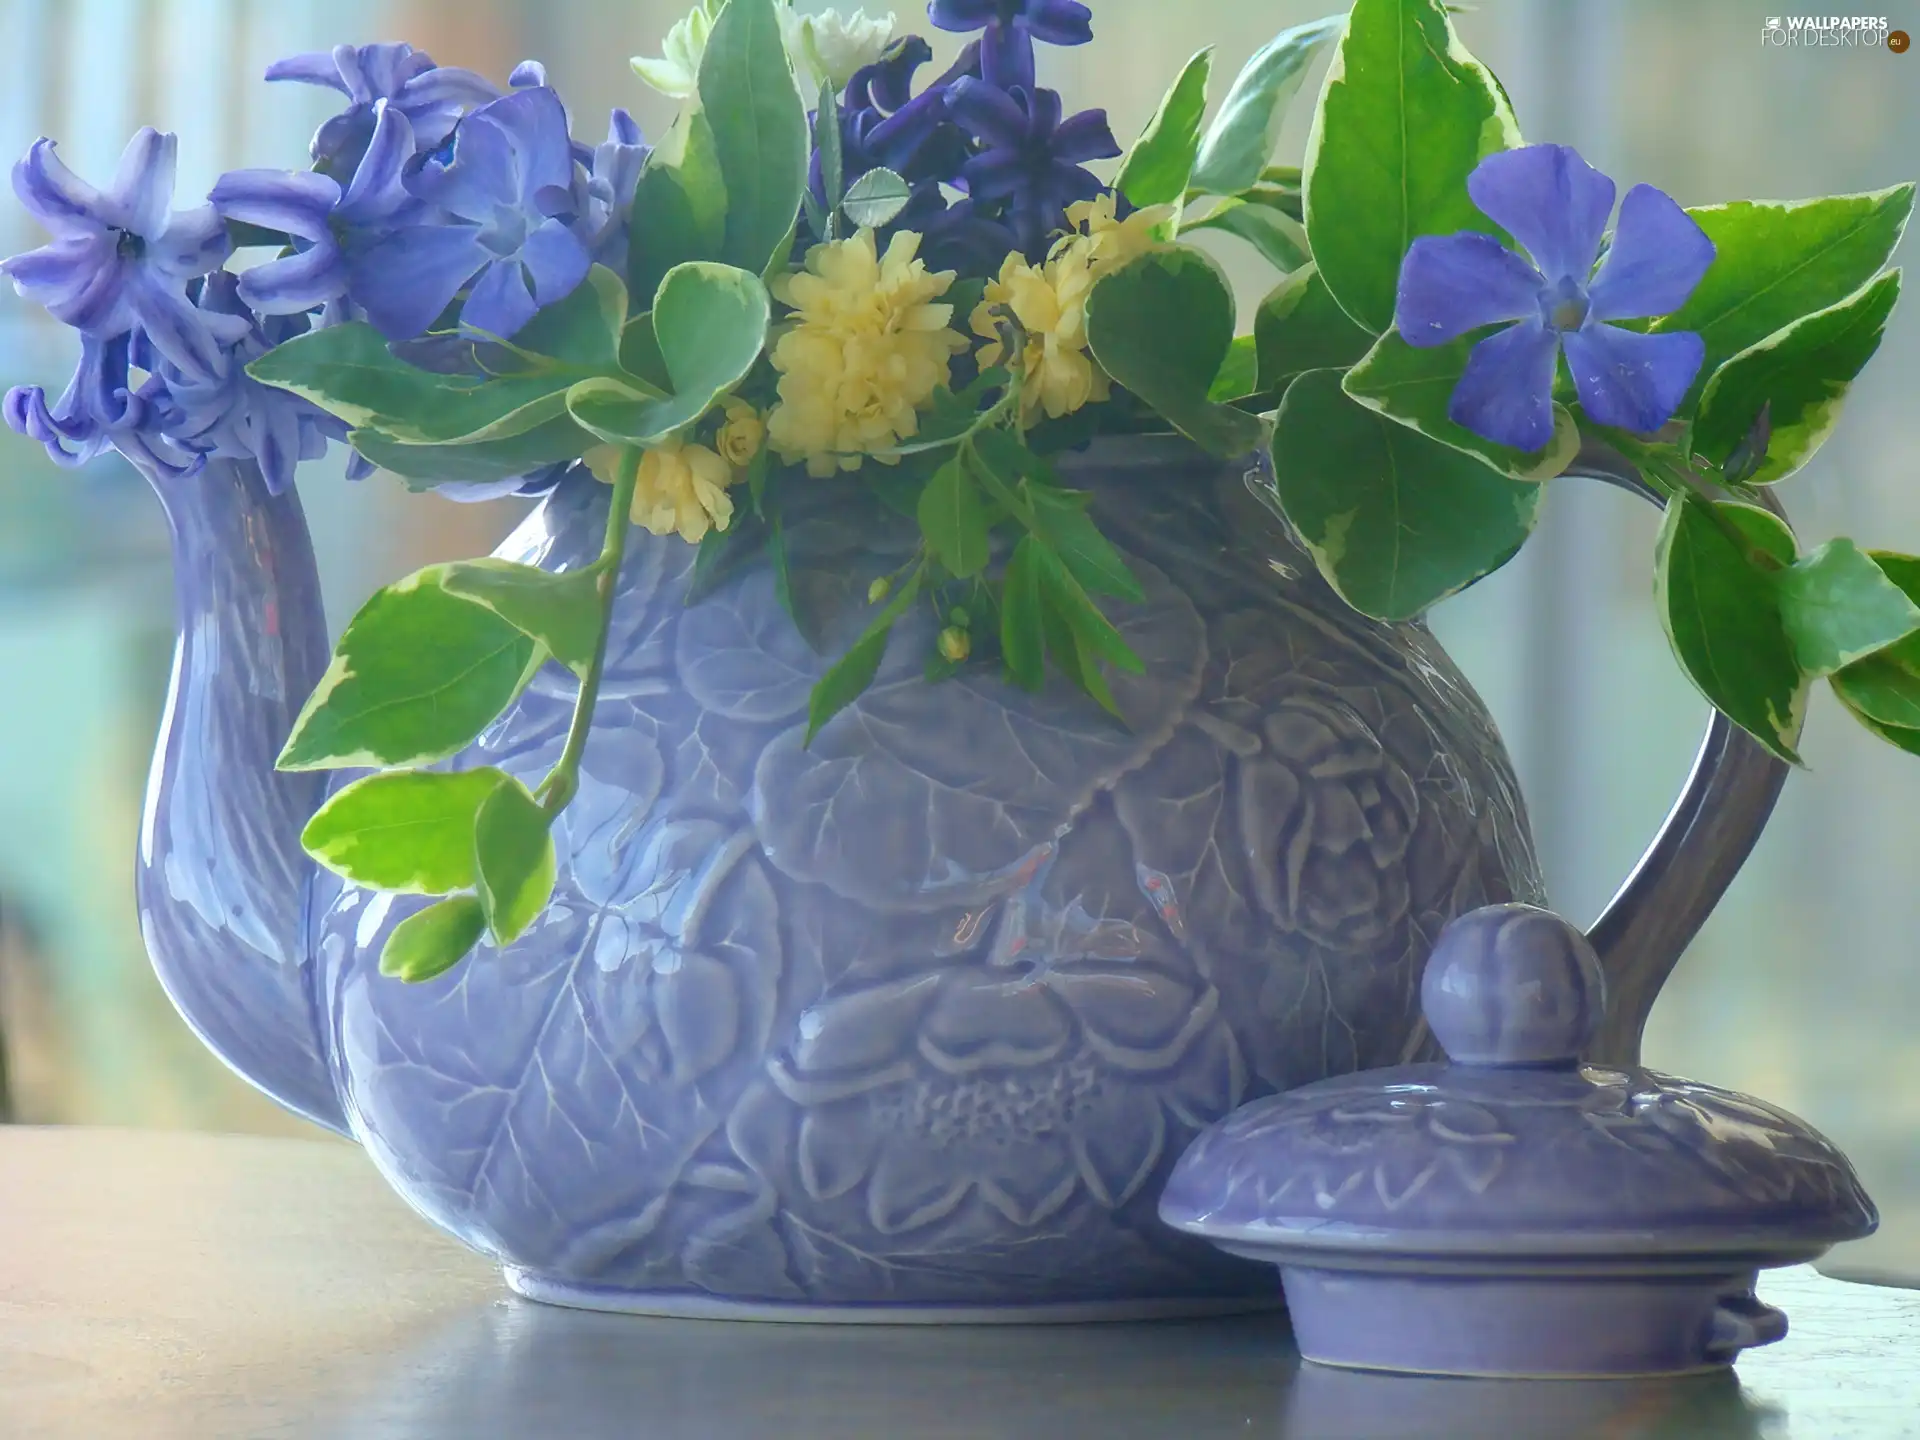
x,y
1681,482
564,779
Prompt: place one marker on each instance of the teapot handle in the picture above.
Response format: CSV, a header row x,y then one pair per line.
x,y
1707,837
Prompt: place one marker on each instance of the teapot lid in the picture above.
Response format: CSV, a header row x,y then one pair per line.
x,y
1514,1147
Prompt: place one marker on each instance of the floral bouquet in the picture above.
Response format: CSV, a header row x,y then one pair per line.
x,y
828,267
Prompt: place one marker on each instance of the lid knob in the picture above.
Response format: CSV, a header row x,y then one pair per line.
x,y
1513,985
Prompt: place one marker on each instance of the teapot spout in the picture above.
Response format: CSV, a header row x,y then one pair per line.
x,y
221,879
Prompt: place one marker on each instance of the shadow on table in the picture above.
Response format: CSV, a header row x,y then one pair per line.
x,y
521,1369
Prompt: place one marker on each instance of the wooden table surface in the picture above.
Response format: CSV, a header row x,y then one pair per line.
x,y
167,1286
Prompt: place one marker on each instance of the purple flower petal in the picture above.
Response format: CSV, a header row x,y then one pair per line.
x,y
296,283
1632,381
1551,201
500,302
178,330
53,194
1006,56
556,261
1658,256
295,201
988,111
142,187
477,179
1506,392
276,444
1083,137
56,274
383,69
995,173
404,280
446,86
1450,284
194,242
1060,22
963,15
317,67
101,306
1044,110
535,123
376,190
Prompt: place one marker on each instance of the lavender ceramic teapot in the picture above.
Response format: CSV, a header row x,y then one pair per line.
x,y
910,1023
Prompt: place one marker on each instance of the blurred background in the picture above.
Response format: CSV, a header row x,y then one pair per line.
x,y
1804,988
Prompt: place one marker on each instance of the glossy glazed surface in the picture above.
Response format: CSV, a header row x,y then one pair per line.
x,y
922,1014
1513,1212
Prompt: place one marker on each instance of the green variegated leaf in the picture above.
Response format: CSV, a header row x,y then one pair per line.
x,y
759,127
680,205
1300,327
1803,371
348,371
1775,262
514,859
1394,520
1280,239
409,831
433,941
426,465
417,676
875,198
1904,695
1239,374
710,323
1414,386
1405,114
562,611
1244,133
1722,615
1838,606
580,331
1882,691
1155,170
1162,327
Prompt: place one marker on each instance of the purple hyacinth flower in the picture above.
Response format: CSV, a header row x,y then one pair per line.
x,y
506,184
101,409
603,191
1009,28
1033,158
330,225
234,416
432,97
1556,205
120,258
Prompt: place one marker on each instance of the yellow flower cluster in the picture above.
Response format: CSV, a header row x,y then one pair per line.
x,y
866,347
682,486
1050,302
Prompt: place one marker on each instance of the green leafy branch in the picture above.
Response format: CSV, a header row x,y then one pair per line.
x,y
984,477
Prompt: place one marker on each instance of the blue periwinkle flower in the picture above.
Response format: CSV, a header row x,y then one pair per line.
x,y
121,258
1556,205
1009,28
432,97
1031,158
505,184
